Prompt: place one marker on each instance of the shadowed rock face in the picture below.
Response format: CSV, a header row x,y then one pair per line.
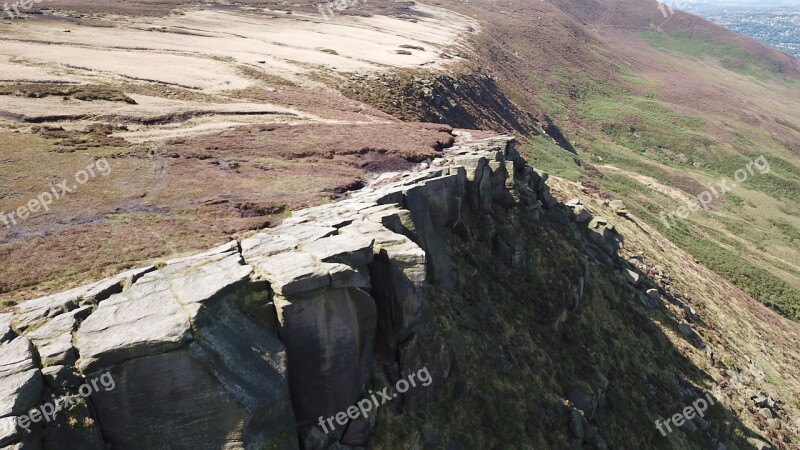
x,y
248,344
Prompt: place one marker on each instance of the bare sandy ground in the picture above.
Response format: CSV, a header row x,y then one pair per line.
x,y
215,53
147,108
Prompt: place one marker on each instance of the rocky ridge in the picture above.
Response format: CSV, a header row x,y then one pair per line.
x,y
247,344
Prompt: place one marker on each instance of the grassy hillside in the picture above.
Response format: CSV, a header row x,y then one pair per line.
x,y
655,115
530,349
746,234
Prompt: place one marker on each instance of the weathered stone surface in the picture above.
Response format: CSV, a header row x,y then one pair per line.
x,y
328,338
227,389
294,272
426,216
758,444
604,235
582,214
34,311
619,207
576,423
353,250
690,313
269,244
227,247
17,356
20,378
701,423
548,199
243,345
582,401
590,432
631,276
398,273
162,385
54,338
6,333
58,433
685,329
328,324
358,431
61,378
31,441
9,430
155,314
19,392
188,365
599,443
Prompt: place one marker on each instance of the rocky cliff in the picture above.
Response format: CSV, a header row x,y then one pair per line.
x,y
249,343
452,269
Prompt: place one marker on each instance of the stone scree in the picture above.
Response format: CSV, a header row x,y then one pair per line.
x,y
247,344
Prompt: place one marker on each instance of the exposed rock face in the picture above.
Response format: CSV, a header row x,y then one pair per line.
x,y
248,344
20,377
36,311
181,347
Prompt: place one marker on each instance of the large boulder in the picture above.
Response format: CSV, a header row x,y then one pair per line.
x,y
191,369
327,318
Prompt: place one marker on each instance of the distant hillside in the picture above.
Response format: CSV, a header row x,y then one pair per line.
x,y
776,25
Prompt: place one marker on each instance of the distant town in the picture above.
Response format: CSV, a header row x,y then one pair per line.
x,y
775,25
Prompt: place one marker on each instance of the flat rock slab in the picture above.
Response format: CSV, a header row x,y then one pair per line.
x,y
295,272
156,314
34,311
17,356
20,378
54,338
353,250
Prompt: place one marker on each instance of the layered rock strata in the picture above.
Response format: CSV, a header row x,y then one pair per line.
x,y
248,344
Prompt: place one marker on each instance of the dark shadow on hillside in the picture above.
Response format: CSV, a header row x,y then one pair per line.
x,y
558,349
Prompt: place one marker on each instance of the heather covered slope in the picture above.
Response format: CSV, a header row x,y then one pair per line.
x,y
615,100
655,110
538,324
207,131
